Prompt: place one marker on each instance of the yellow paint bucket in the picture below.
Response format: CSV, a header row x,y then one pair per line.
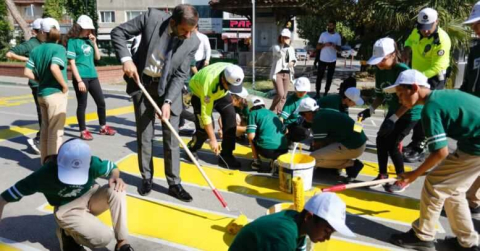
x,y
295,165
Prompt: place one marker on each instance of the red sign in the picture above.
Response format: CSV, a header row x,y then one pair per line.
x,y
240,24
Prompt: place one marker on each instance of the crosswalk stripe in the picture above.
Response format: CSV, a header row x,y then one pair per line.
x,y
10,245
18,131
176,223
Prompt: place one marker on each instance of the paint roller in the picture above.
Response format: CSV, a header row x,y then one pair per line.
x,y
298,194
242,218
341,187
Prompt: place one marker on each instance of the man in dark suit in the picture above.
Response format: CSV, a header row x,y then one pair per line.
x,y
162,64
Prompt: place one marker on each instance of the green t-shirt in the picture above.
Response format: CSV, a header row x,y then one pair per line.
x,y
454,114
334,102
386,78
83,52
243,112
45,180
338,127
268,129
39,62
289,113
430,55
207,87
24,49
275,232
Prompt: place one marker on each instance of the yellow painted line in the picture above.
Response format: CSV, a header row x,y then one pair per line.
x,y
6,247
9,245
370,168
191,227
380,206
19,100
16,131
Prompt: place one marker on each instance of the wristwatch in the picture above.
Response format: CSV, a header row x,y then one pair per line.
x,y
168,101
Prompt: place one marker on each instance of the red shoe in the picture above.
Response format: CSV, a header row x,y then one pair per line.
x,y
86,135
107,130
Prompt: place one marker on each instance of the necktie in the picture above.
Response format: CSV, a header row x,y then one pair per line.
x,y
166,67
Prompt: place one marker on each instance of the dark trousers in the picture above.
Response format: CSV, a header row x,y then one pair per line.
x,y
418,134
200,64
227,112
389,146
297,133
39,113
186,115
94,88
321,71
269,153
145,123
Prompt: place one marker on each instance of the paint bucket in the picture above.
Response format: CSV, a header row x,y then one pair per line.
x,y
295,165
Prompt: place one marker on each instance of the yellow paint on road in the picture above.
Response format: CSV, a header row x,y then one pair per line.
x,y
16,131
19,100
191,227
374,204
6,247
370,168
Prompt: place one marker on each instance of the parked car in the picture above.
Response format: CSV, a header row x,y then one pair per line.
x,y
301,54
216,54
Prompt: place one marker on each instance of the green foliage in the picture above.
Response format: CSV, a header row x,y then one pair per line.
x,y
54,9
5,31
310,27
76,8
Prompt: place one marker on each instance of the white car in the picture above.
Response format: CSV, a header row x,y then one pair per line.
x,y
216,54
301,54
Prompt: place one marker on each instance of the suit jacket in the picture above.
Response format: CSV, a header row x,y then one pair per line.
x,y
151,26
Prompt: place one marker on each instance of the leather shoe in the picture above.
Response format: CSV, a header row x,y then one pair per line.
x,y
146,187
178,192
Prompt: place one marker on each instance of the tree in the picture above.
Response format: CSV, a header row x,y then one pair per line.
x,y
16,15
5,31
54,9
76,8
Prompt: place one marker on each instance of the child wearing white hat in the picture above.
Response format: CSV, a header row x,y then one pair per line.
x,y
282,71
342,101
21,53
239,102
47,65
68,184
82,50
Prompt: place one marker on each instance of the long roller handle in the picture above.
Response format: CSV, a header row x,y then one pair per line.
x,y
338,188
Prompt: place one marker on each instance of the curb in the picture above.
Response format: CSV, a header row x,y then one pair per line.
x,y
70,87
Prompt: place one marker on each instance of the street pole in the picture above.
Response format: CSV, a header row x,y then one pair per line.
x,y
253,44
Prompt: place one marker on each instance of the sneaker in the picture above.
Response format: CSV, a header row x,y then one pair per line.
x,y
475,211
195,155
379,177
67,243
125,247
353,171
411,241
185,131
229,161
107,130
256,164
397,187
453,243
86,135
414,155
33,146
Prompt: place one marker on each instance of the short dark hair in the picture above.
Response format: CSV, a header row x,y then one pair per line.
x,y
331,21
407,86
316,219
185,13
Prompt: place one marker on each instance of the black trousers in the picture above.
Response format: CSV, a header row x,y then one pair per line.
x,y
186,115
39,114
418,134
321,71
269,153
94,88
227,112
388,146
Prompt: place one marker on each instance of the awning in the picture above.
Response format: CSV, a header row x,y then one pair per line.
x,y
233,35
103,37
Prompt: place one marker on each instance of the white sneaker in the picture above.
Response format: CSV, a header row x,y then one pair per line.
x,y
33,146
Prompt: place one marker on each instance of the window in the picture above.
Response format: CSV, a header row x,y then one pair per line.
x,y
107,16
133,14
29,13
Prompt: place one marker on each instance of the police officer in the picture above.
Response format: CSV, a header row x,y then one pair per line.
x,y
429,46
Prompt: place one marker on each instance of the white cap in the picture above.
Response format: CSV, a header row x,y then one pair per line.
x,y
234,76
74,162
381,48
256,101
475,15
408,77
48,23
307,105
85,22
37,24
302,84
426,18
332,209
354,94
243,94
286,33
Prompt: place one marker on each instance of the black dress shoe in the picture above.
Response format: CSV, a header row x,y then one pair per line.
x,y
411,241
178,192
146,187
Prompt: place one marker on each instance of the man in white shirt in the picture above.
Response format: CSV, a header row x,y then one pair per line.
x,y
328,45
202,56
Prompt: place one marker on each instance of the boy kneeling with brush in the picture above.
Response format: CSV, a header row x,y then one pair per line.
x,y
287,230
